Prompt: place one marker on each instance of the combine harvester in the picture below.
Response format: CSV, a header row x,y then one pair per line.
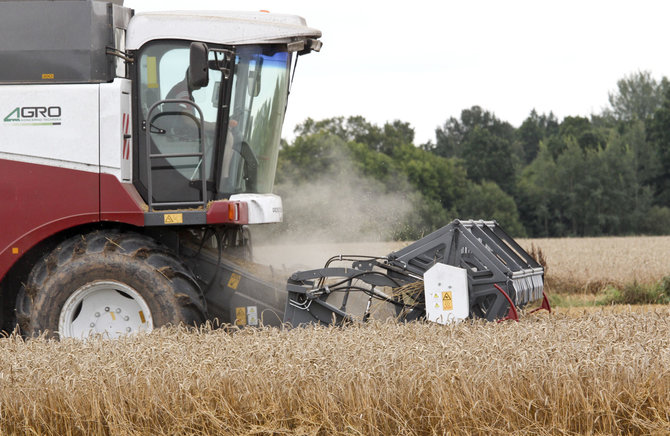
x,y
135,151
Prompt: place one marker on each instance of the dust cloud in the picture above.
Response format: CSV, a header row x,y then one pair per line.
x,y
338,211
334,213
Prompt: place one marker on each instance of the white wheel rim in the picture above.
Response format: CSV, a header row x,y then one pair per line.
x,y
109,308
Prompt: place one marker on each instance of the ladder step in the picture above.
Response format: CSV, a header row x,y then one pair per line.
x,y
169,155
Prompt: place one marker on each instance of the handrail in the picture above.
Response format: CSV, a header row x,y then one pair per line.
x,y
149,156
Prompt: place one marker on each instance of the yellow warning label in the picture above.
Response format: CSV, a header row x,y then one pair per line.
x,y
142,317
152,72
173,218
113,316
234,281
48,77
447,301
240,316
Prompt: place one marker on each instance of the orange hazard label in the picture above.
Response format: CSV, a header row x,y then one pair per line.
x,y
447,301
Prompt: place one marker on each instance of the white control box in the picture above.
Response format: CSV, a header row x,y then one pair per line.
x,y
446,293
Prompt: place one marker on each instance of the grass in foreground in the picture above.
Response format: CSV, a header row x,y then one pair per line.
x,y
638,293
627,294
599,373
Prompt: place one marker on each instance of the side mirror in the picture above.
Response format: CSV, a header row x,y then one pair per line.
x,y
198,71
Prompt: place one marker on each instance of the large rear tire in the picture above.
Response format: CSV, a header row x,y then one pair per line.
x,y
110,283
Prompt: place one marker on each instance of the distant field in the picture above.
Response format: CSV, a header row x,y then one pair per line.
x,y
592,263
573,263
641,258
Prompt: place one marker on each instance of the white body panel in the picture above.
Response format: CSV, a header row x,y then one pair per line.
x,y
220,27
80,127
446,293
56,125
263,208
116,129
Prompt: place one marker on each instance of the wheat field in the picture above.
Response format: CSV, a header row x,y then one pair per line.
x,y
590,264
600,371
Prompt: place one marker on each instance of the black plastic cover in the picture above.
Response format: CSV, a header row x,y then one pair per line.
x,y
62,41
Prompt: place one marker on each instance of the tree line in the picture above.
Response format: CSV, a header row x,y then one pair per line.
x,y
607,174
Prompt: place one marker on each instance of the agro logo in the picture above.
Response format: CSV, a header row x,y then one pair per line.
x,y
35,116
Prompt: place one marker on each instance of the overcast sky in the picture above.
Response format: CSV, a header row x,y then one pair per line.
x,y
425,61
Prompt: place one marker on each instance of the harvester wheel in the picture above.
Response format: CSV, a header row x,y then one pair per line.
x,y
111,283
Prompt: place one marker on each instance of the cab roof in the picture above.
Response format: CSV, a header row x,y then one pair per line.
x,y
219,27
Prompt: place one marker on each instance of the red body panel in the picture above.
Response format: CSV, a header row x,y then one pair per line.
x,y
119,201
37,201
227,212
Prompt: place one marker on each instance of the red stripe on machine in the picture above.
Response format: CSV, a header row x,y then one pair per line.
x,y
126,141
123,129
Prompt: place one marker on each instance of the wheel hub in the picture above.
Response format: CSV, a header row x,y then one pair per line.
x,y
109,308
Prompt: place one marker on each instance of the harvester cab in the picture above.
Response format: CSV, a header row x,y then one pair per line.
x,y
210,101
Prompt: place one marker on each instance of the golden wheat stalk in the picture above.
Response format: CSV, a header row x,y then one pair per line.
x,y
597,373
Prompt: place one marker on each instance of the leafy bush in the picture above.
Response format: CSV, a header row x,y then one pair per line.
x,y
636,293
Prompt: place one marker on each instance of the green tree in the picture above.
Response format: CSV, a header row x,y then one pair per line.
x,y
534,129
658,133
488,157
452,137
436,178
638,96
584,191
538,196
623,201
583,132
486,144
487,201
358,129
645,152
310,155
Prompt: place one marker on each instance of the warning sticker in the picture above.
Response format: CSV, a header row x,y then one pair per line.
x,y
173,218
252,315
447,301
234,281
240,316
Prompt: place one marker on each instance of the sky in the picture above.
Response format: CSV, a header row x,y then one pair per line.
x,y
423,62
